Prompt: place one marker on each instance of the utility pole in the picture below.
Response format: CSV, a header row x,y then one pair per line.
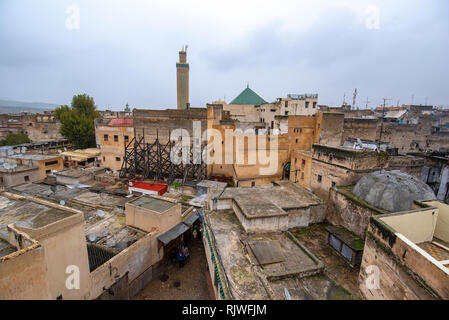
x,y
382,122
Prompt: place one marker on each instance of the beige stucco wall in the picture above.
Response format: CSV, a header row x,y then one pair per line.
x,y
135,260
405,273
111,149
149,220
15,178
65,245
418,226
442,225
23,275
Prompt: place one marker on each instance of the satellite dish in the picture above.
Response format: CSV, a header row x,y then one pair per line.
x,y
100,213
62,202
10,152
60,151
7,166
92,237
65,149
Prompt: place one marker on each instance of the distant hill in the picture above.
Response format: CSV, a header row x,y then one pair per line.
x,y
11,106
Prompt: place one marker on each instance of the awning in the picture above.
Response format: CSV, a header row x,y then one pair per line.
x,y
173,233
190,220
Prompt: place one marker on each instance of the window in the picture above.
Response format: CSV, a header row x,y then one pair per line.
x,y
126,138
303,163
320,178
117,158
307,104
334,242
47,171
286,104
50,163
297,140
116,138
27,178
253,184
334,184
314,105
273,110
106,137
286,113
302,175
104,158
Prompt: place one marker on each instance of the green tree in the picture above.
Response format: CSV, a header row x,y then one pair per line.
x,y
77,121
14,139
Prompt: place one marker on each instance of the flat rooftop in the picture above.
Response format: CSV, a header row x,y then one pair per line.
x,y
6,248
262,266
26,156
283,194
104,215
27,214
154,204
17,169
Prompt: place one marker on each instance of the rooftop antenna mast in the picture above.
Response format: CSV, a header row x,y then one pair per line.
x,y
354,98
344,99
382,122
367,102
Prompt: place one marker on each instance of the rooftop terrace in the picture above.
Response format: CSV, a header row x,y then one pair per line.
x,y
154,204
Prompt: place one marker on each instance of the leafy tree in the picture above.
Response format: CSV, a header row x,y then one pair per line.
x,y
14,139
77,121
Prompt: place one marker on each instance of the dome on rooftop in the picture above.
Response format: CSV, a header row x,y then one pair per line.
x,y
393,191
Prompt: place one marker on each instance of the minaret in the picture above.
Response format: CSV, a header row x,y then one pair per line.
x,y
182,80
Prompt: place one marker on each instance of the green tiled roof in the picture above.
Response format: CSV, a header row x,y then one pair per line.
x,y
248,96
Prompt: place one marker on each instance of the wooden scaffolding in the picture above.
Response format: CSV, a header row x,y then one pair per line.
x,y
152,161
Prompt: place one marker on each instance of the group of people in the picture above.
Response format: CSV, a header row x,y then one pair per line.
x,y
183,256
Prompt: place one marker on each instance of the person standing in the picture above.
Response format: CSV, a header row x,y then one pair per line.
x,y
187,255
181,259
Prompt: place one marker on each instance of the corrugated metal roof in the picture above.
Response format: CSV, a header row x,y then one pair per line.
x,y
98,255
191,220
173,233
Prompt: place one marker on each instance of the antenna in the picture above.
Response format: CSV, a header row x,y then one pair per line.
x,y
382,122
367,102
344,99
354,99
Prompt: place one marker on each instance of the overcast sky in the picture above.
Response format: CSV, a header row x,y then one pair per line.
x,y
125,51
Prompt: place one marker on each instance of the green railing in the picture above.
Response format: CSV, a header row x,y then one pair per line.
x,y
214,261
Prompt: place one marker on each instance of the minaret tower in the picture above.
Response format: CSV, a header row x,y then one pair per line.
x,y
182,80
